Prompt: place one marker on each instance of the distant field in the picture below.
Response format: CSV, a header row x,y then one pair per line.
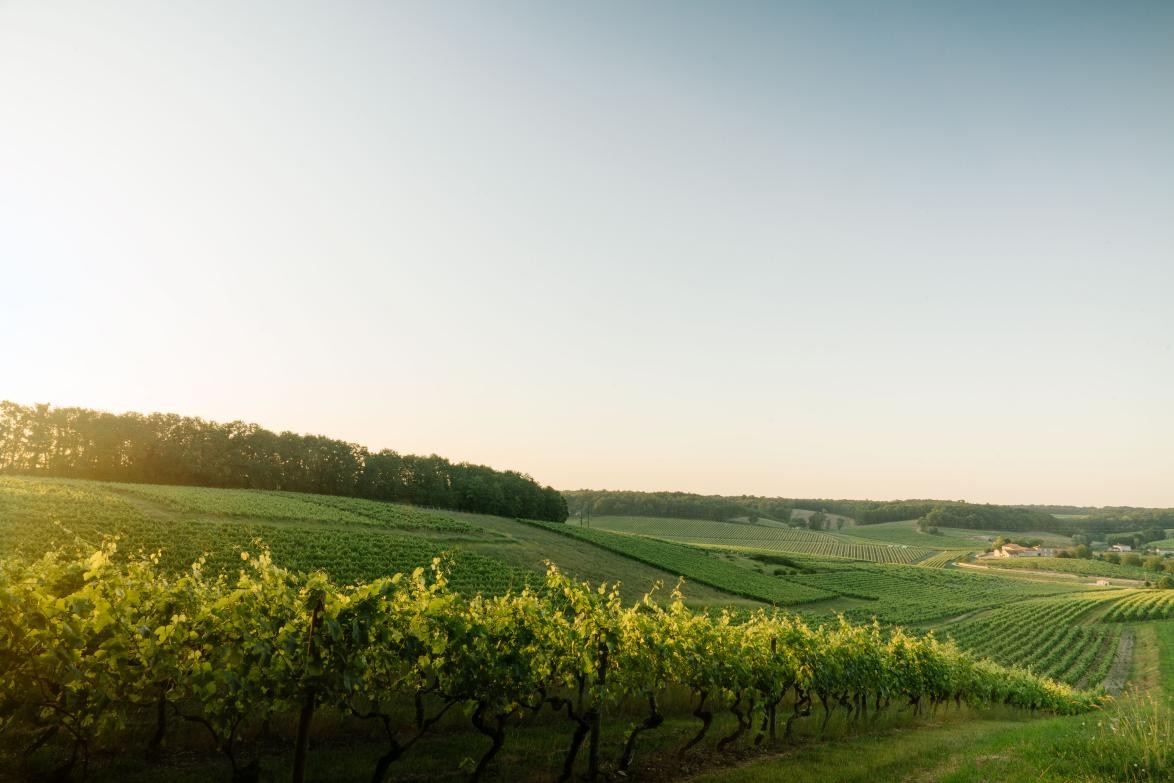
x,y
761,538
913,596
946,538
944,558
1070,565
698,565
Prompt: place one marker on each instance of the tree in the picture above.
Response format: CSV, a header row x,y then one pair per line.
x,y
1154,563
164,448
816,520
1131,559
1112,557
1082,551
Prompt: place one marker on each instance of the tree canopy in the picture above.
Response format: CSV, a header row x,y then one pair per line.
x,y
166,448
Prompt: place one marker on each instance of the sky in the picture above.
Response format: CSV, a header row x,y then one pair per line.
x,y
805,249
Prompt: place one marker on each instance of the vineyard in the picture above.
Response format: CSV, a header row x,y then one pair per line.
x,y
1046,636
291,506
1070,565
1056,628
945,538
763,538
359,540
1142,606
36,516
943,559
911,596
101,655
698,566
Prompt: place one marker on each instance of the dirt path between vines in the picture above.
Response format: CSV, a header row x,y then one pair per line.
x,y
1122,664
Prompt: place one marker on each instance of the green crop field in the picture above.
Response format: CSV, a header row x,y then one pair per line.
x,y
1142,606
913,596
699,566
944,558
1069,565
348,538
1046,635
945,538
36,515
1057,628
763,538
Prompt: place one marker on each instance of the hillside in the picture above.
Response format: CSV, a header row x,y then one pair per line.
x,y
1068,630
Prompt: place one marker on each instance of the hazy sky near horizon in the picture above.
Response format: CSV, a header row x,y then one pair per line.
x,y
847,249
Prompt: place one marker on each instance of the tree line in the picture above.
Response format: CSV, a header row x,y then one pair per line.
x,y
680,505
166,448
684,505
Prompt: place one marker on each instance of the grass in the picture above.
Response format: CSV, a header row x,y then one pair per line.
x,y
897,754
1132,740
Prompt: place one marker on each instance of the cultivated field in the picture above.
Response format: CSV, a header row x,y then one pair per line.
x,y
1062,630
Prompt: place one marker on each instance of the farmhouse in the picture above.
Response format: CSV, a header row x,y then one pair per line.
x,y
1103,582
1121,548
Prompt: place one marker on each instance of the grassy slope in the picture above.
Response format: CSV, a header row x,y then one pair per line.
x,y
947,747
307,531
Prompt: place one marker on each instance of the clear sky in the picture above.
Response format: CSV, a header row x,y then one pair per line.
x,y
803,249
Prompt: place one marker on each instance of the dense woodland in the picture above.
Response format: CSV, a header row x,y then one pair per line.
x,y
165,448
